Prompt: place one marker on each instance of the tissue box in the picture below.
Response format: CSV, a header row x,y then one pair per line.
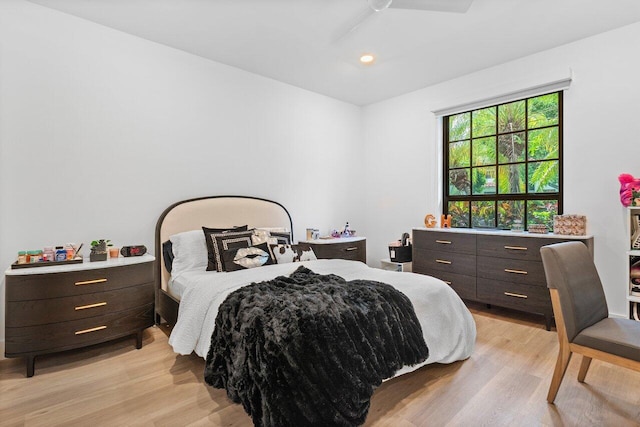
x,y
400,253
570,225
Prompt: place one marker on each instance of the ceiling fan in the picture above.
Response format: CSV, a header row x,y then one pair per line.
x,y
374,6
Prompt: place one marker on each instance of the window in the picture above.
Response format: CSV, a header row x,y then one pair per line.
x,y
503,164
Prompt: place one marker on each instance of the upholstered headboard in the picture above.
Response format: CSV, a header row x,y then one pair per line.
x,y
215,212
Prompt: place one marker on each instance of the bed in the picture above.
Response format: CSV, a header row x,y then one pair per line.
x,y
190,299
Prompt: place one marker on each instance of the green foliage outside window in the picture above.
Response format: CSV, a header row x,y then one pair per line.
x,y
503,163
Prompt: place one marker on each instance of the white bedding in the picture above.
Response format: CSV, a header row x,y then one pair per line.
x,y
447,325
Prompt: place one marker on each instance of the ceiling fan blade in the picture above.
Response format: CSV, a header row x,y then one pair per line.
x,y
456,6
351,26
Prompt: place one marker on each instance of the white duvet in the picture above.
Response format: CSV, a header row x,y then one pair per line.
x,y
447,325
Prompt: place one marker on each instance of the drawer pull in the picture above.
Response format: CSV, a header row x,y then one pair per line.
x,y
508,270
516,248
84,307
86,331
447,282
442,261
90,282
511,294
443,242
353,248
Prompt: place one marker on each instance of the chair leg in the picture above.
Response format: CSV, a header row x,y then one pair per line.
x,y
584,367
564,356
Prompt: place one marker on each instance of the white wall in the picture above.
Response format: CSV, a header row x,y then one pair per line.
x,y
100,131
601,129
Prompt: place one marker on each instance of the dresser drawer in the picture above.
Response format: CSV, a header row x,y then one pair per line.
x,y
525,248
55,285
512,270
444,241
465,286
428,262
77,333
514,295
356,251
39,312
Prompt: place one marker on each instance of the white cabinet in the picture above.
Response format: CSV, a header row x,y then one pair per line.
x,y
633,253
387,264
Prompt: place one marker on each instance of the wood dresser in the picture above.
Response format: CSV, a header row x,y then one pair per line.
x,y
494,267
353,248
57,308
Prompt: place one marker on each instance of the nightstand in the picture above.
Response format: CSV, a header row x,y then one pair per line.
x,y
56,308
352,248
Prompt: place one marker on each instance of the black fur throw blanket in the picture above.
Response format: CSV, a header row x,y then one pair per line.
x,y
310,349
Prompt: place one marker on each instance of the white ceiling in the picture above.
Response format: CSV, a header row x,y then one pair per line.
x,y
299,41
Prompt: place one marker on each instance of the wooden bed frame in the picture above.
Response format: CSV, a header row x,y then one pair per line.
x,y
213,212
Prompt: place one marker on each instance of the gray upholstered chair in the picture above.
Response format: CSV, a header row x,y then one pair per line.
x,y
582,316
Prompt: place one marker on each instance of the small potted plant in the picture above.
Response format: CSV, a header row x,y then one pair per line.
x,y
99,250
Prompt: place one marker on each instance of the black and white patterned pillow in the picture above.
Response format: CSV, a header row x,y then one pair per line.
x,y
251,257
217,243
293,253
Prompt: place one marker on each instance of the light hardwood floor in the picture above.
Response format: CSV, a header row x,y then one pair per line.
x,y
504,383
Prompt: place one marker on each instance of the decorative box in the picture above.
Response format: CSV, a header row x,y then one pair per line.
x,y
570,225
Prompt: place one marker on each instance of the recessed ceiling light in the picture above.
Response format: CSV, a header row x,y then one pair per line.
x,y
368,59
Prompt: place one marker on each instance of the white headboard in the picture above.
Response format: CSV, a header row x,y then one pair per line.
x,y
215,212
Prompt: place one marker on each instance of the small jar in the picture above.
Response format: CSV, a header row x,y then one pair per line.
x,y
34,256
70,252
48,254
61,254
22,257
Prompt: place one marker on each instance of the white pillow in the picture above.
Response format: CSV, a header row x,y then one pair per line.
x,y
189,252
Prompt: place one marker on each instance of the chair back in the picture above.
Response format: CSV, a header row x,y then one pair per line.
x,y
569,269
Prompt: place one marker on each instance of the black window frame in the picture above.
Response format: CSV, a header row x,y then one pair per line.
x,y
495,197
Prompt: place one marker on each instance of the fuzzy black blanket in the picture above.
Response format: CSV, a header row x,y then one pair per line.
x,y
310,349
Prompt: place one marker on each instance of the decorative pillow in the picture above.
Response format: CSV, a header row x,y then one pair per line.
x,y
293,253
251,257
167,255
188,251
217,243
271,236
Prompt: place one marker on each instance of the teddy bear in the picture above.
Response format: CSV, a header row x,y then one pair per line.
x,y
629,190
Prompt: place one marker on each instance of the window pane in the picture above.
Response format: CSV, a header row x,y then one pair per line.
x,y
484,180
483,214
459,154
484,122
543,110
511,148
510,211
543,144
544,177
459,212
459,182
484,151
511,117
541,212
459,126
511,179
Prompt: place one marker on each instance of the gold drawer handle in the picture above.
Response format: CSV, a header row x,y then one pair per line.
x,y
84,307
447,282
511,294
444,242
86,331
508,270
516,248
355,248
442,261
90,282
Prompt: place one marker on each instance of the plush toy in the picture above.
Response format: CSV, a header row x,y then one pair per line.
x,y
629,190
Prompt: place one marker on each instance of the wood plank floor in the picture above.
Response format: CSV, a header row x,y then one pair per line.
x,y
504,383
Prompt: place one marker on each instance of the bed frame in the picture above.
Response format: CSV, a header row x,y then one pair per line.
x,y
213,212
